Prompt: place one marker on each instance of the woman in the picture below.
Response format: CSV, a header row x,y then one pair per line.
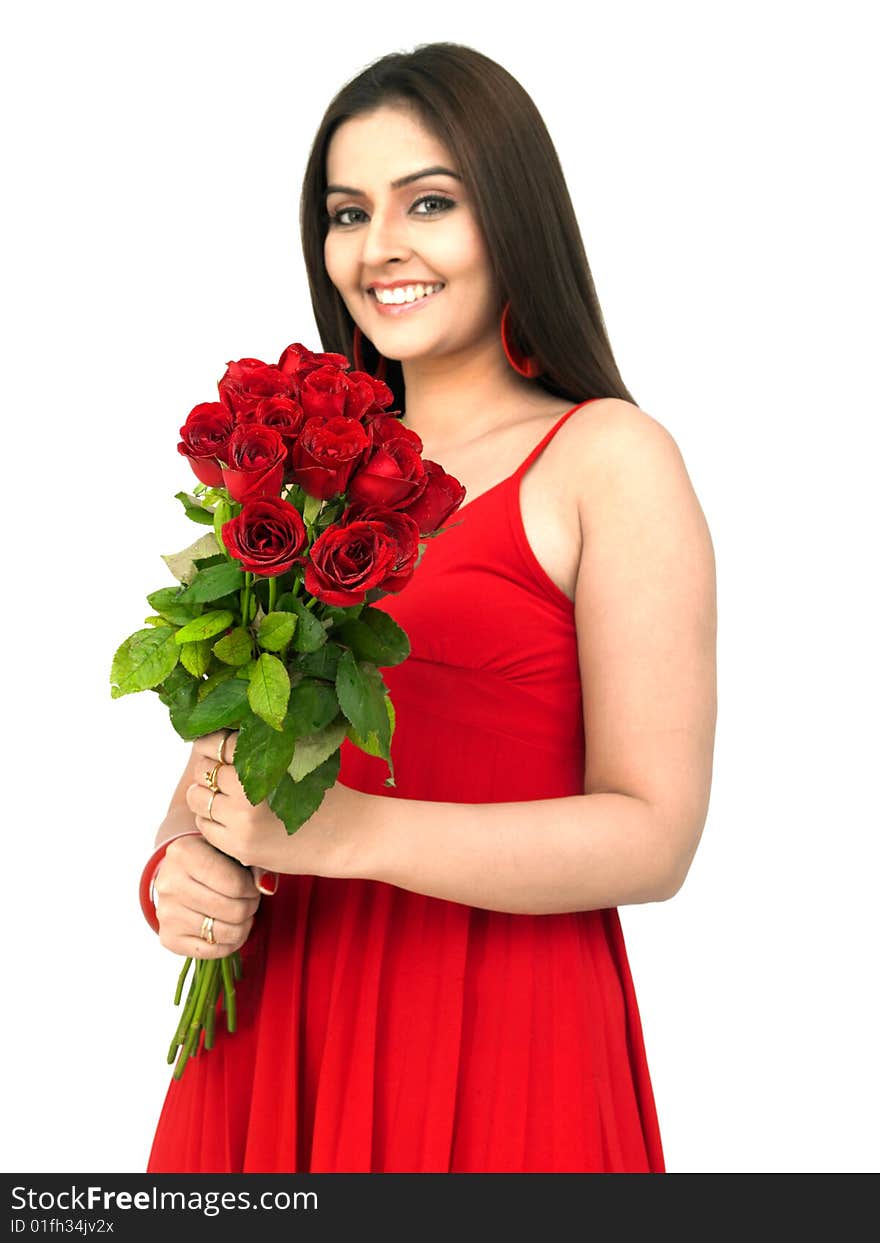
x,y
439,981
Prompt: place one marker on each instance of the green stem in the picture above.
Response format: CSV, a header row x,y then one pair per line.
x,y
196,1022
211,1016
273,588
185,1017
182,977
246,599
229,988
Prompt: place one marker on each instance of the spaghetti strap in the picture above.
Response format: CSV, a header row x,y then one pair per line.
x,y
523,466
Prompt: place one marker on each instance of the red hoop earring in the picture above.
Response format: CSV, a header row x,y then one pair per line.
x,y
525,364
357,339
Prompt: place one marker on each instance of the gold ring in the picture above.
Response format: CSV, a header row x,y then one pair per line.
x,y
223,738
214,794
211,777
207,929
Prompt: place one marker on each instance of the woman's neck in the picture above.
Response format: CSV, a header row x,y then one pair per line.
x,y
453,400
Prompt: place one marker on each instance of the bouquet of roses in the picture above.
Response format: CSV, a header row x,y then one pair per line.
x,y
317,500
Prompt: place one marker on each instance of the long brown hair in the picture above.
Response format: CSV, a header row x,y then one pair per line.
x,y
509,165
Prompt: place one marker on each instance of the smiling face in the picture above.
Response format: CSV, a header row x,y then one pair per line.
x,y
423,232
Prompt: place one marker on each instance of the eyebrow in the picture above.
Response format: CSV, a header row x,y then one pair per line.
x,y
401,181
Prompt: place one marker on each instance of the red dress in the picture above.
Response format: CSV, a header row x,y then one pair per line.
x,y
382,1030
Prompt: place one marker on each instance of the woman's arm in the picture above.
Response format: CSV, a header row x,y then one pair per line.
x,y
583,852
179,817
646,623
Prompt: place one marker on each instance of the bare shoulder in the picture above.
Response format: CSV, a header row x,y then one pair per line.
x,y
622,449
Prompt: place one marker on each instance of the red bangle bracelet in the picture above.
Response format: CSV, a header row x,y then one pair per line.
x,y
148,875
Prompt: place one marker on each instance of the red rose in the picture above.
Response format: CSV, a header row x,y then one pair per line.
x,y
346,562
324,393
325,454
256,457
267,537
247,381
386,427
286,416
204,436
402,529
382,394
296,361
440,498
392,474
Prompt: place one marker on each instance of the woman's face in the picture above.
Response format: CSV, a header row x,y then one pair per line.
x,y
420,233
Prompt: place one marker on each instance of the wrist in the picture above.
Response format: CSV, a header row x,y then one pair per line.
x,y
148,876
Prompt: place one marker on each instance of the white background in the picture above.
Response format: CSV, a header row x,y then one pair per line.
x,y
721,161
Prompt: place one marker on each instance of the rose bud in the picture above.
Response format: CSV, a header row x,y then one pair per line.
x,y
247,381
392,474
324,393
204,437
296,361
440,498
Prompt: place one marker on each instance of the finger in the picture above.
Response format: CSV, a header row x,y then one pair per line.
x,y
197,947
233,905
209,745
200,799
224,933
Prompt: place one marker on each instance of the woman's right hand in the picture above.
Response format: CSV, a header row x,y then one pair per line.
x,y
194,880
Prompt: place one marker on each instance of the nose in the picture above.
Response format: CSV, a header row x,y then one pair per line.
x,y
384,239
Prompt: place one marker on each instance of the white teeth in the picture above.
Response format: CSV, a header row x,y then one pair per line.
x,y
405,293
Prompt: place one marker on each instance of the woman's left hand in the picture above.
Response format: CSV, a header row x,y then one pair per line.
x,y
324,845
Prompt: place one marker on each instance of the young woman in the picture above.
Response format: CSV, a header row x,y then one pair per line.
x,y
439,982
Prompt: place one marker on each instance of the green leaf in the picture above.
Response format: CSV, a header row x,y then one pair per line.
x,y
234,648
339,614
295,801
214,678
143,660
196,657
224,707
375,637
167,603
181,705
269,690
197,512
313,749
206,626
182,564
313,704
361,693
311,509
320,664
156,621
262,755
310,633
218,558
276,631
214,581
176,682
222,514
371,744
